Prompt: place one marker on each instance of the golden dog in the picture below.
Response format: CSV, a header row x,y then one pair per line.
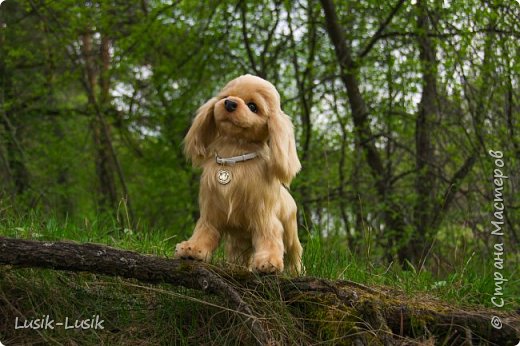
x,y
246,148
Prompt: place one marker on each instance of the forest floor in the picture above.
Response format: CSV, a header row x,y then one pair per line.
x,y
137,313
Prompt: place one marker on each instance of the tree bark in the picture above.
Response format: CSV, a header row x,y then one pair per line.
x,y
107,162
425,179
104,85
383,316
104,167
393,217
101,259
14,158
305,95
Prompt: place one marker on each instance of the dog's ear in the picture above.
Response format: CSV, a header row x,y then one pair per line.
x,y
284,159
202,132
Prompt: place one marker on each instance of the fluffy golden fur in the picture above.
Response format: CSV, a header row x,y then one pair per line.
x,y
254,213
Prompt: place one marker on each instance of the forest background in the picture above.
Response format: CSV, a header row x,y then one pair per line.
x,y
396,106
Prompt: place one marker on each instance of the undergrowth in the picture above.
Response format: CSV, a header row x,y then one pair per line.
x,y
141,314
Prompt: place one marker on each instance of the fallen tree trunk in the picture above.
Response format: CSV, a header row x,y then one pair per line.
x,y
372,316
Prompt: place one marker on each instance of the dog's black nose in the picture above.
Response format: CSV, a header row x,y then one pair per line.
x,y
230,105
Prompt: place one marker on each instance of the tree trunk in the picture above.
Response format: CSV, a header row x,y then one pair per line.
x,y
15,156
416,247
393,217
13,159
107,162
104,167
362,315
303,78
104,85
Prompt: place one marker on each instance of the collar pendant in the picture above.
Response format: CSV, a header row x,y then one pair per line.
x,y
223,176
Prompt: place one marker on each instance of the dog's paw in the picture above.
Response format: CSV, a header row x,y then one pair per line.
x,y
188,250
268,264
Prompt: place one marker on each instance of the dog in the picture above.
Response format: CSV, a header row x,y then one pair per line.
x,y
245,145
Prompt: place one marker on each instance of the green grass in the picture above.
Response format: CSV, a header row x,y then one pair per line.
x,y
142,314
470,283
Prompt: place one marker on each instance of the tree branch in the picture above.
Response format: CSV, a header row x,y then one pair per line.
x,y
453,188
382,27
250,55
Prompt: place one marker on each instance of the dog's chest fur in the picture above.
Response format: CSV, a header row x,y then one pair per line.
x,y
245,191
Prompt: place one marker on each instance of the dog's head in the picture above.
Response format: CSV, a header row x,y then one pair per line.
x,y
248,110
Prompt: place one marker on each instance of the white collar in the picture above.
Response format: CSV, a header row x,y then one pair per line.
x,y
234,159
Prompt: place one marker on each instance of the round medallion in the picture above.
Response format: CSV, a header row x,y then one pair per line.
x,y
223,176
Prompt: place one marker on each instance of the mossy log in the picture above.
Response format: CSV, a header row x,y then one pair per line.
x,y
343,311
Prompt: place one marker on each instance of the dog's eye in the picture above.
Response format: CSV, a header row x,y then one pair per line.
x,y
252,107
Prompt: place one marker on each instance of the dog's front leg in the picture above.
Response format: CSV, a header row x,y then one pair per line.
x,y
202,243
268,245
